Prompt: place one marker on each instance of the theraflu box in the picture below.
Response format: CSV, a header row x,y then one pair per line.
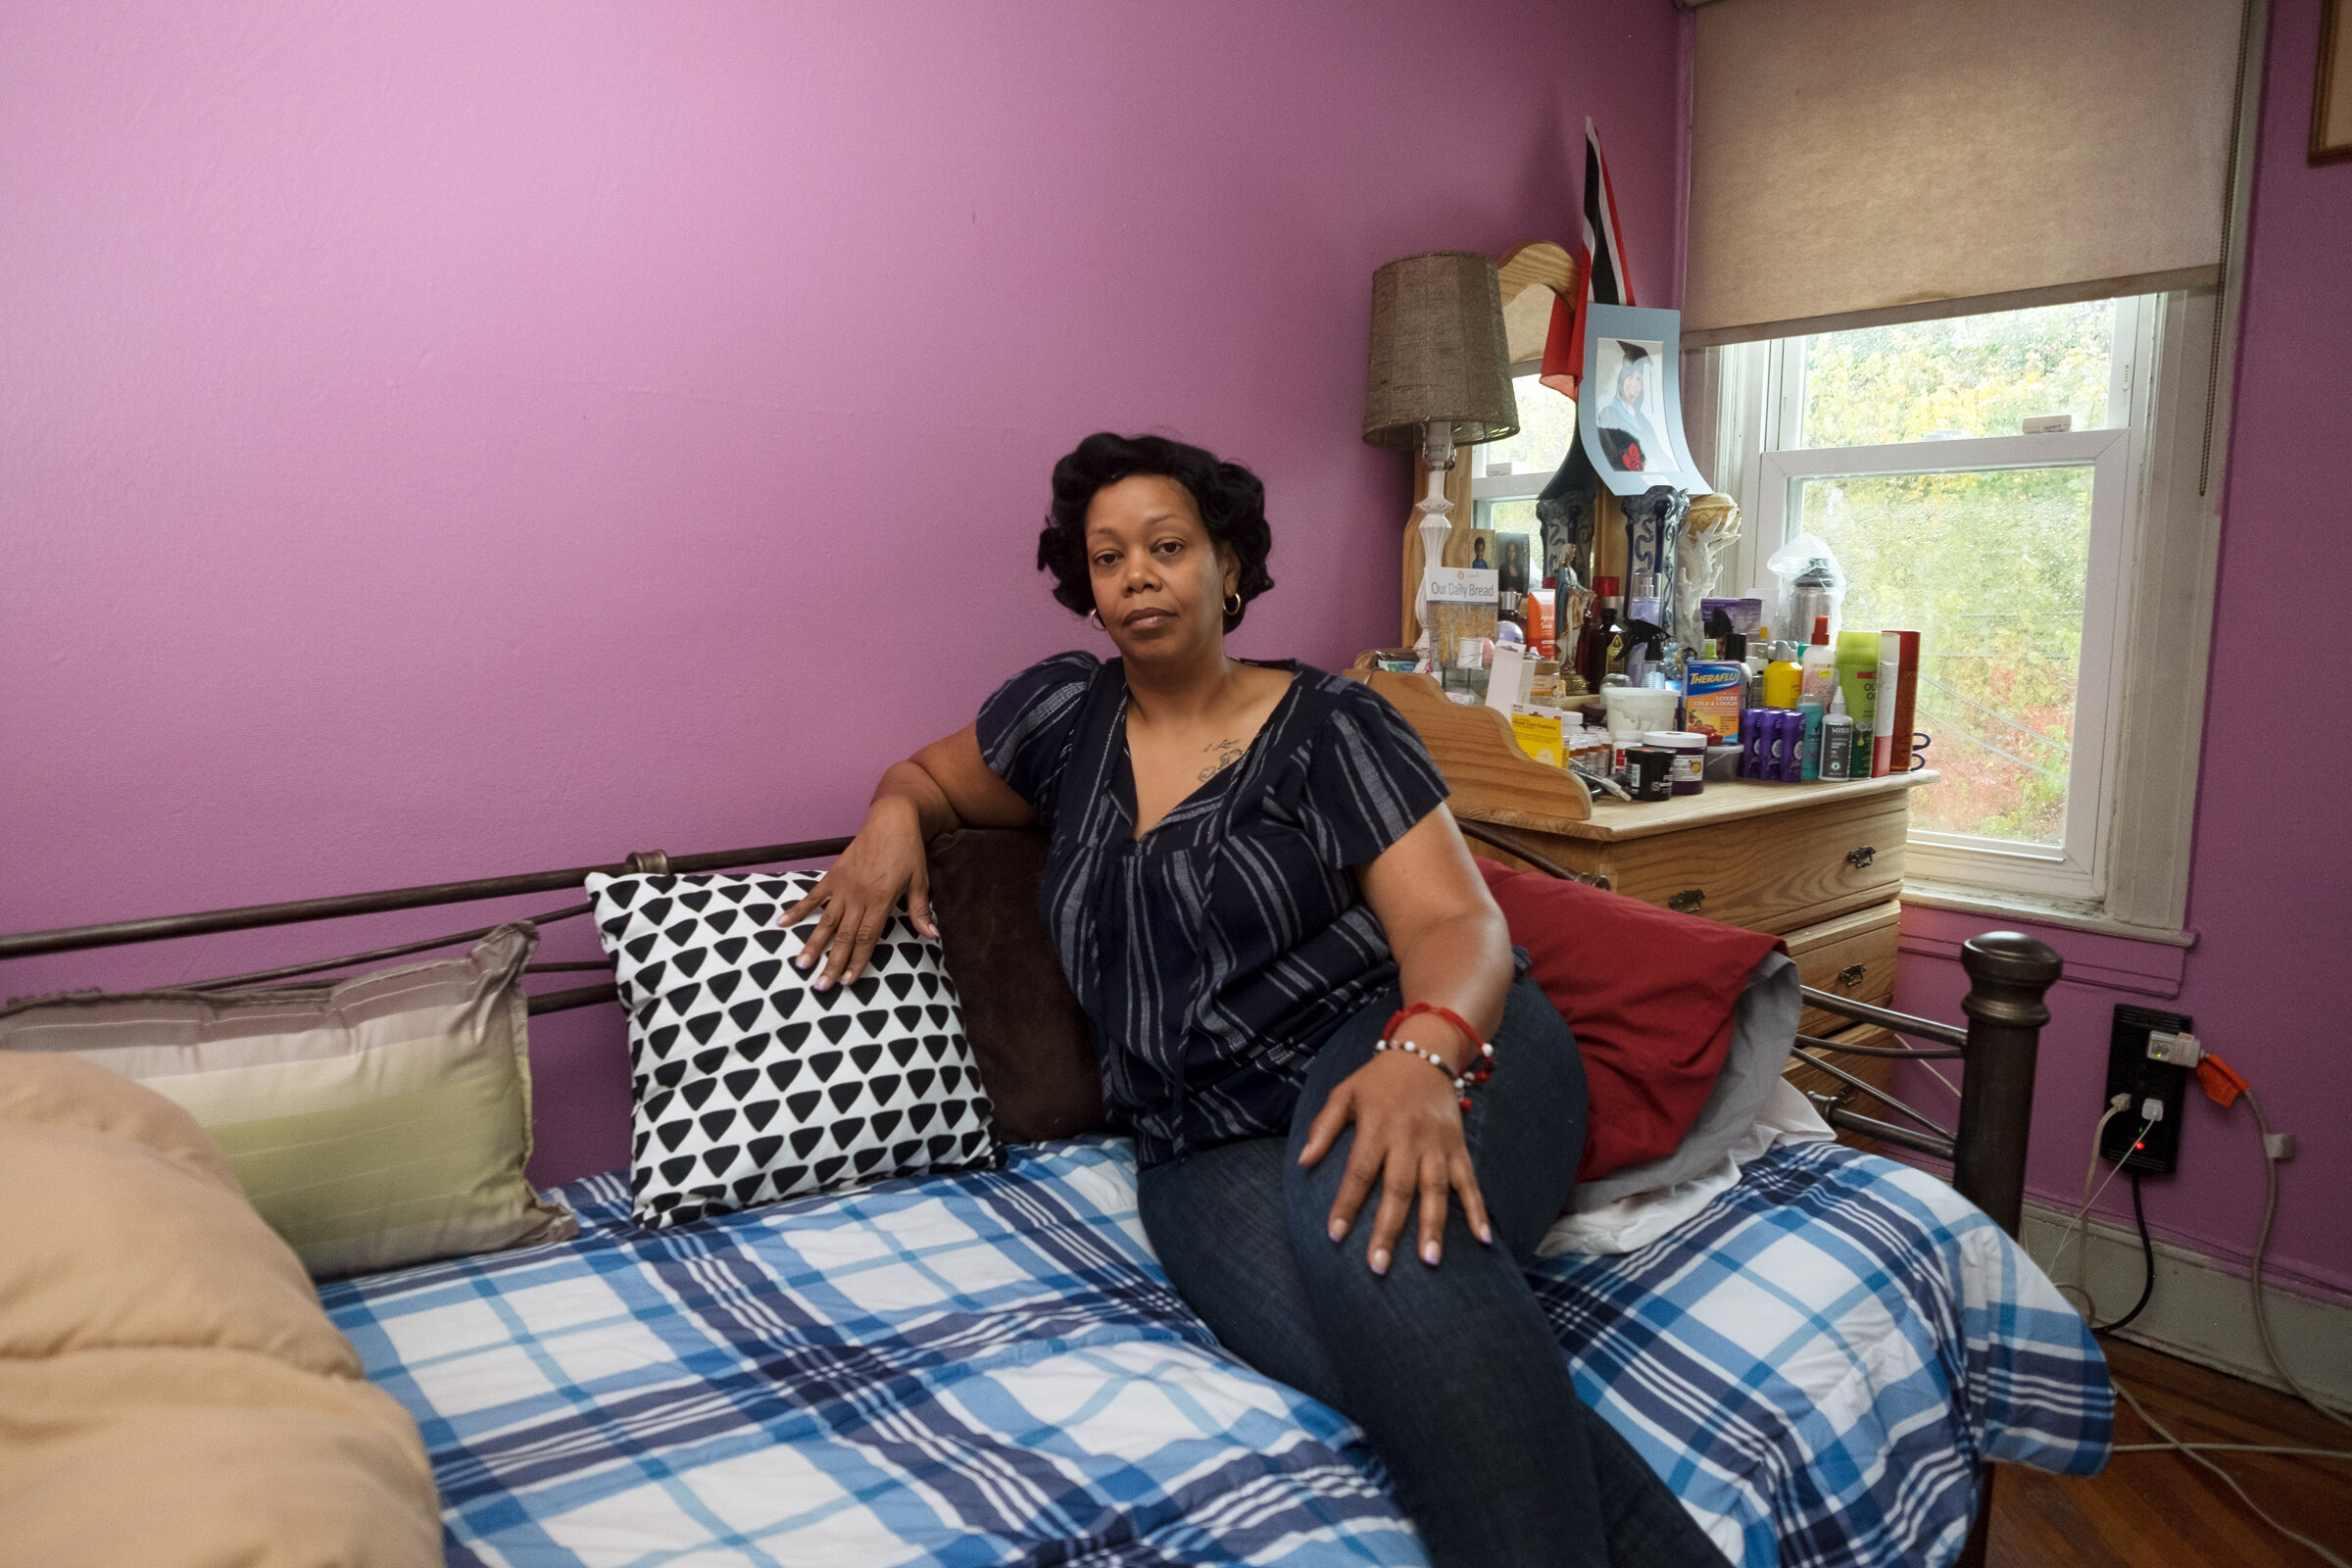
x,y
1711,699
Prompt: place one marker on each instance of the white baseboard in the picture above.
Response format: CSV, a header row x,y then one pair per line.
x,y
2200,1310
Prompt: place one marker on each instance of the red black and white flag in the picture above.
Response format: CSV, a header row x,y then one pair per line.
x,y
1600,271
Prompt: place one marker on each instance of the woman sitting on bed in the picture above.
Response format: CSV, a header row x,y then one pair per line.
x,y
1295,976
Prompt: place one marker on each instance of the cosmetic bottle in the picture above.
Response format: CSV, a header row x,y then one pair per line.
x,y
1809,746
1542,631
1819,665
1837,739
1858,684
1642,602
1731,649
1784,677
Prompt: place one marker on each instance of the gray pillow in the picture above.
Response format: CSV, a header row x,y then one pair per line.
x,y
1763,1033
374,1121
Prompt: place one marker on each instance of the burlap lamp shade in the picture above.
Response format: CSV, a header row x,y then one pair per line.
x,y
1438,352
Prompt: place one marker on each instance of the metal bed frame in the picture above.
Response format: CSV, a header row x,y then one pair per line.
x,y
2008,973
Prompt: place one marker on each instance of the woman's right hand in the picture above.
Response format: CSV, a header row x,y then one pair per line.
x,y
855,898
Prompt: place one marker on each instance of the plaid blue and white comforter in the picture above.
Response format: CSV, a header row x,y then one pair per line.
x,y
991,1368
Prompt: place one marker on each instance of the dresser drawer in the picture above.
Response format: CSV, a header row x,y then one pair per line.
x,y
1850,957
1773,873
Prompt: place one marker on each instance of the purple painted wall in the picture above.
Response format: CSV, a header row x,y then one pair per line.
x,y
445,439
2272,859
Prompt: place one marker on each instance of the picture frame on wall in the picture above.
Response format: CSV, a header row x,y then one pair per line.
x,y
2331,93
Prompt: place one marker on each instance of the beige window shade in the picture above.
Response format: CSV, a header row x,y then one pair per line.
x,y
1859,162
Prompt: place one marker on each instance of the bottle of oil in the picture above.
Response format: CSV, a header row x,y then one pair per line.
x,y
1601,644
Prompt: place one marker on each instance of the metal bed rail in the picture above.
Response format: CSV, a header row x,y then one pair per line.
x,y
2009,974
161,928
70,939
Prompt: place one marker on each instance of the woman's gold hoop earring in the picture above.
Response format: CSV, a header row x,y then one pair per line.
x,y
1232,604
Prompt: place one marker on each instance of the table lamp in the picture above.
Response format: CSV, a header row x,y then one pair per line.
x,y
1440,377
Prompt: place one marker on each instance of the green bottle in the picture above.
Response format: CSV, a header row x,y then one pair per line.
x,y
1858,680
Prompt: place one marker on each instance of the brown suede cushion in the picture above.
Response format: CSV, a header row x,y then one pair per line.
x,y
1034,1045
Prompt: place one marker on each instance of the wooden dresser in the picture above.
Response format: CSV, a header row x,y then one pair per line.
x,y
1819,864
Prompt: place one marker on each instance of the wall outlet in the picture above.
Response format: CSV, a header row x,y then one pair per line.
x,y
2136,1051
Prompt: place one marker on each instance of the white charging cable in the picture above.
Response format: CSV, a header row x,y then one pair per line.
x,y
2078,1230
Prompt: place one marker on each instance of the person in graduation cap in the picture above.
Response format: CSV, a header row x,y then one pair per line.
x,y
1631,444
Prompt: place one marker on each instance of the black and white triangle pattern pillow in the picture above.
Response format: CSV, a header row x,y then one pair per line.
x,y
751,1086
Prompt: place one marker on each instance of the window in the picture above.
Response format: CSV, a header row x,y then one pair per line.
x,y
1506,476
2021,558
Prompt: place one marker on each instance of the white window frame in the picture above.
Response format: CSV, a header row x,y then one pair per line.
x,y
1523,485
2124,865
2072,868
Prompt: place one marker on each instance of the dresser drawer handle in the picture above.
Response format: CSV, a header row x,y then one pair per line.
x,y
1860,859
1688,899
1852,975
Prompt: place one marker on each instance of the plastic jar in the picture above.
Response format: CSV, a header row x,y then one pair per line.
x,y
1650,772
1633,711
1690,749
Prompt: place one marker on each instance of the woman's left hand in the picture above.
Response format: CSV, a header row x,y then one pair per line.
x,y
1409,1138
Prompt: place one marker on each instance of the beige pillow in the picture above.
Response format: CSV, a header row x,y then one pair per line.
x,y
171,1393
374,1122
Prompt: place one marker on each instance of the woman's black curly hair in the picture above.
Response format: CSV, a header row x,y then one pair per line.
x,y
1231,500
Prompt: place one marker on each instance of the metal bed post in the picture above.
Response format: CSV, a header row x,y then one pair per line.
x,y
2008,975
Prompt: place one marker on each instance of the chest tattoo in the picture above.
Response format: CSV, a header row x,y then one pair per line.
x,y
1222,754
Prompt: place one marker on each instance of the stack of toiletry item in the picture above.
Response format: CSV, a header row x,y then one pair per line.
x,y
1825,711
1528,692
1828,708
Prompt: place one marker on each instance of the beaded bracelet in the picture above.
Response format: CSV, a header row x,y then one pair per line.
x,y
1482,1056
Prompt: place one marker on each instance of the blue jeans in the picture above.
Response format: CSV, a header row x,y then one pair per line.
x,y
1453,1372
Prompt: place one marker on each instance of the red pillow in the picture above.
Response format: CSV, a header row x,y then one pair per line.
x,y
1649,995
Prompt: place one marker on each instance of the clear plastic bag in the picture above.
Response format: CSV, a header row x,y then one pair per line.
x,y
1812,583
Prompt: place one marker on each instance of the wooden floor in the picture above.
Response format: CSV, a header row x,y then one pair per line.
x,y
2164,1510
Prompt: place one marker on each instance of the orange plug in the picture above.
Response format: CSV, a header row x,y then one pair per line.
x,y
2221,1081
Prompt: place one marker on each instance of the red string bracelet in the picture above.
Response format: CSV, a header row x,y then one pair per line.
x,y
1481,1067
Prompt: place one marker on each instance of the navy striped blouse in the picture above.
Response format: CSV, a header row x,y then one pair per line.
x,y
1217,954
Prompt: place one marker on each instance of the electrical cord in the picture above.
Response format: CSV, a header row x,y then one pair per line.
x,y
2078,1230
2191,1451
2230,1448
2262,1241
2148,1256
1941,1079
2272,1151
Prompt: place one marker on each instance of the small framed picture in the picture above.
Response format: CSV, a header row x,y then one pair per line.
x,y
2332,94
